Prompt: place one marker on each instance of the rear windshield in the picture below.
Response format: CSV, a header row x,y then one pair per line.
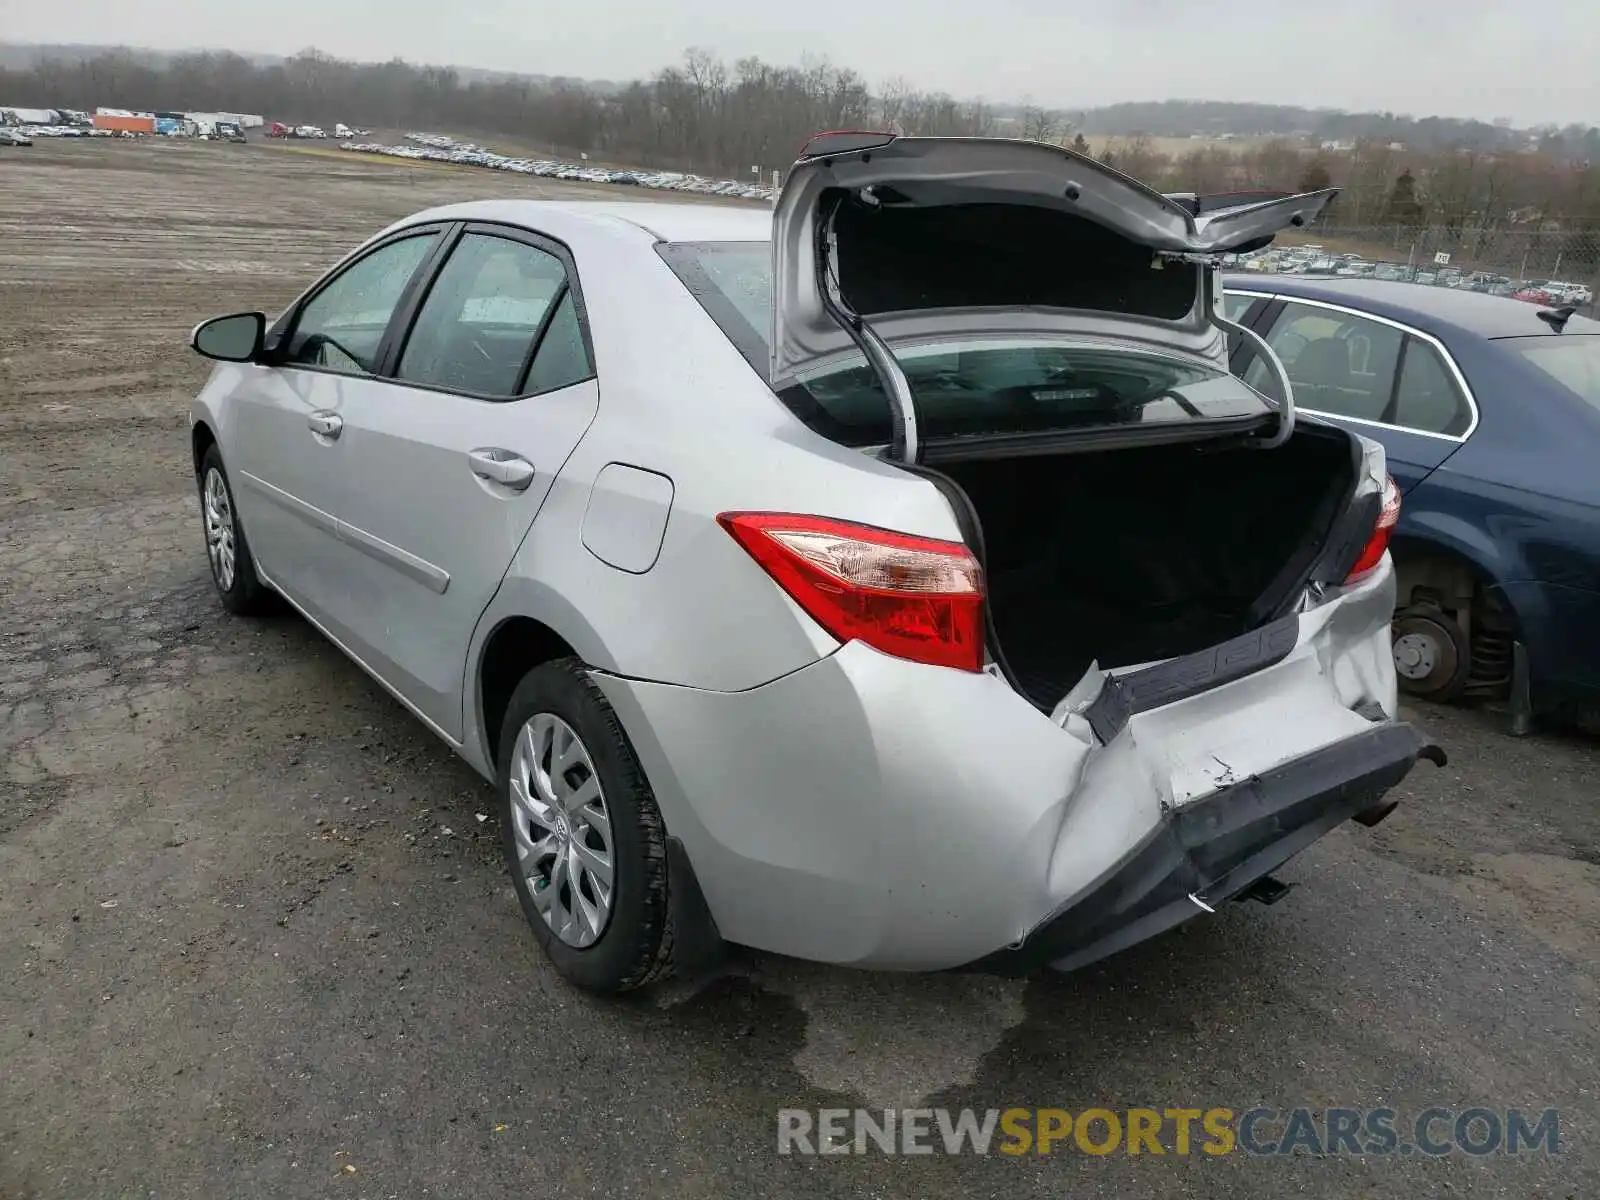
x,y
1572,359
963,387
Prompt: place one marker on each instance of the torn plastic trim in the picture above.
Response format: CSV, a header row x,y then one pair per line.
x,y
907,445
1213,849
1123,696
1219,319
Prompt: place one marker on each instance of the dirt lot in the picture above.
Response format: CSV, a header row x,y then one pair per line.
x,y
257,941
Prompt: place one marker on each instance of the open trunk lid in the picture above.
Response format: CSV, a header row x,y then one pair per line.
x,y
884,243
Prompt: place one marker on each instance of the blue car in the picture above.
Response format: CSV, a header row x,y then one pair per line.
x,y
1489,410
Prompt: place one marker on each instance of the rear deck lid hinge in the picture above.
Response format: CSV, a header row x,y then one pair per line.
x,y
1219,318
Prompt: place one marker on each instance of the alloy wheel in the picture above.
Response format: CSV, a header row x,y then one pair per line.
x,y
562,829
218,509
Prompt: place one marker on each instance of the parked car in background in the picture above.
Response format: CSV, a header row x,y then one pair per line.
x,y
1490,413
866,580
1535,294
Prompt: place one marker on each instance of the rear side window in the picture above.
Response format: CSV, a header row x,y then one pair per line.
x,y
1427,398
562,359
1573,360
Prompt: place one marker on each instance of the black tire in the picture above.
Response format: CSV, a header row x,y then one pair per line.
x,y
1442,674
244,594
635,946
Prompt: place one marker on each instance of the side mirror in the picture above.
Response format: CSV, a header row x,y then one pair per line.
x,y
234,338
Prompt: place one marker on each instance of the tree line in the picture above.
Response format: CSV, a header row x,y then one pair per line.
x,y
708,115
703,114
1180,118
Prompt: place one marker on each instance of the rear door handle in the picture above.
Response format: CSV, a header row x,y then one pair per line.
x,y
328,424
507,469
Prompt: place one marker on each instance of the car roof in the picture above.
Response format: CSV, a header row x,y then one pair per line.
x,y
1431,309
661,220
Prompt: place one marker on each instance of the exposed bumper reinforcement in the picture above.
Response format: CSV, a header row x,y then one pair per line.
x,y
1216,847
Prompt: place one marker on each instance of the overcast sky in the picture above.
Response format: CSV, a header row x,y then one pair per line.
x,y
1532,62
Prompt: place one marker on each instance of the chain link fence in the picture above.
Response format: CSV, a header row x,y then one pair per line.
x,y
1544,266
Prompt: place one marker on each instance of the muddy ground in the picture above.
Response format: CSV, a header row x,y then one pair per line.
x,y
255,938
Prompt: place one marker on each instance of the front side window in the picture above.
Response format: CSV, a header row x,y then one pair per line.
x,y
1339,363
476,330
341,328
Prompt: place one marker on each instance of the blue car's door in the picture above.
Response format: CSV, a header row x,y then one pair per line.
x,y
1379,378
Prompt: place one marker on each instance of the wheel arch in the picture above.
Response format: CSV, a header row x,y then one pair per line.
x,y
513,647
1439,558
1447,573
1442,536
201,439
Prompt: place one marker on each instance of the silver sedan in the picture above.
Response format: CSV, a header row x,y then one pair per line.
x,y
896,579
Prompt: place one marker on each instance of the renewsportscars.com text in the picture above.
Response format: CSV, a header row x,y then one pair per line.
x,y
1375,1132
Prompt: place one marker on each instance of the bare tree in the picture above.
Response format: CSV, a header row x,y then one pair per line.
x,y
1041,124
894,98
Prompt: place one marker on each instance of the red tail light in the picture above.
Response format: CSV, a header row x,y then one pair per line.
x,y
912,597
1372,554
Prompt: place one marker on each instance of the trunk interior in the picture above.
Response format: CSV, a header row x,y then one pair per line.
x,y
1125,556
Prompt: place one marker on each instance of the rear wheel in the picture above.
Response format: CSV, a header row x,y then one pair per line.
x,y
1432,656
581,833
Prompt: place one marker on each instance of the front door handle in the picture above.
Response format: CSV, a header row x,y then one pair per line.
x,y
328,424
501,466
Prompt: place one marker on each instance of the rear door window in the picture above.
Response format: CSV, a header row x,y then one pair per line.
x,y
1339,363
491,302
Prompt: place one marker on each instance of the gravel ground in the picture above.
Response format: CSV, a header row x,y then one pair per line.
x,y
257,940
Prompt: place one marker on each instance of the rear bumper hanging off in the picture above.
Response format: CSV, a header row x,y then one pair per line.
x,y
1213,849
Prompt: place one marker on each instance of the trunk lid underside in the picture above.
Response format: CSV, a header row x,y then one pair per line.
x,y
968,237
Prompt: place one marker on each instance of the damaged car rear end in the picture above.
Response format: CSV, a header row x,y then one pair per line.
x,y
1121,652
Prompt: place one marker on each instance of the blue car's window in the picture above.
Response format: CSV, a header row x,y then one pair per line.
x,y
1427,398
1572,359
963,387
1339,363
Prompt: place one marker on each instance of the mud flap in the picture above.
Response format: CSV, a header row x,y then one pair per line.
x,y
697,945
